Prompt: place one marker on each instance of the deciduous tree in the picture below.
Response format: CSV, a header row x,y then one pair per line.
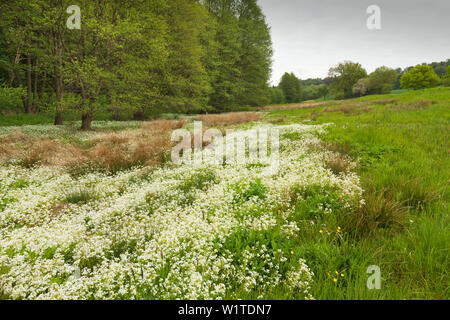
x,y
345,75
420,77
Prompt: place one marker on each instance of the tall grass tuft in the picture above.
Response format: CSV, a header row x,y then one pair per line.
x,y
81,196
380,211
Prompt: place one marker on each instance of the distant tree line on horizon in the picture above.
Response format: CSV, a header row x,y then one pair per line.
x,y
133,58
349,79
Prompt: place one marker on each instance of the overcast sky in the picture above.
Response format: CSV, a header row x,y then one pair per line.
x,y
310,36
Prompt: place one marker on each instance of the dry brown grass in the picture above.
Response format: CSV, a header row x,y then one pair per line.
x,y
347,109
339,163
3,151
163,126
421,104
109,151
380,210
227,119
57,209
353,109
297,106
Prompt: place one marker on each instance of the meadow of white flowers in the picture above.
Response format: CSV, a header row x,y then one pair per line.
x,y
195,231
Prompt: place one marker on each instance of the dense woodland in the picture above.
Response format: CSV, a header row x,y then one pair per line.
x,y
135,59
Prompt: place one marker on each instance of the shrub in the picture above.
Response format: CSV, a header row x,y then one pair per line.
x,y
361,87
345,75
10,99
382,80
420,77
276,95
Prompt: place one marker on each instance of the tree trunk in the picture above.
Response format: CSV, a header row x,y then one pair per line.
x,y
58,118
138,116
58,91
35,105
58,79
11,78
42,88
29,86
86,120
19,80
116,116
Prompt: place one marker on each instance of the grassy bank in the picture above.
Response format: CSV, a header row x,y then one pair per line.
x,y
401,144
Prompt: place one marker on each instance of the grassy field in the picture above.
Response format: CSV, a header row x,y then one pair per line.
x,y
105,215
401,144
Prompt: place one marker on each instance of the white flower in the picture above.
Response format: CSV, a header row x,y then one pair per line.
x,y
154,239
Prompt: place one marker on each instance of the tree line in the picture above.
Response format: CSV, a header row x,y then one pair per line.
x,y
133,57
349,79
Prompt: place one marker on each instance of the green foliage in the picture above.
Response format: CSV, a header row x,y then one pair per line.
x,y
245,191
446,78
420,77
312,82
135,57
276,95
345,75
239,55
256,54
323,90
382,80
291,87
81,196
199,180
10,99
309,93
440,67
186,86
224,69
361,87
314,92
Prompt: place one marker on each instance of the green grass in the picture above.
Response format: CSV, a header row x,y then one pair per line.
x,y
402,143
81,196
25,119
